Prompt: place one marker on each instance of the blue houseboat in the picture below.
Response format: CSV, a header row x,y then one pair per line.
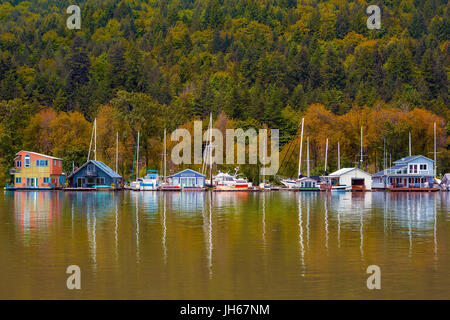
x,y
413,173
95,175
310,183
187,180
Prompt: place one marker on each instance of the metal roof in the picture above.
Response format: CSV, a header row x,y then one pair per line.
x,y
38,154
396,167
344,171
110,172
102,167
341,171
410,158
187,170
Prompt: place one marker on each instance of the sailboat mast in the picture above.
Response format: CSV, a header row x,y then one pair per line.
x,y
339,157
90,144
361,160
210,149
117,151
307,156
435,163
301,146
326,155
410,143
264,158
164,154
137,158
95,139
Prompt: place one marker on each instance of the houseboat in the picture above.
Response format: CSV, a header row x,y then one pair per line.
x,y
186,180
94,176
35,171
412,173
310,183
348,179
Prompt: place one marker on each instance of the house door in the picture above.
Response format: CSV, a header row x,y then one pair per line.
x,y
80,182
31,182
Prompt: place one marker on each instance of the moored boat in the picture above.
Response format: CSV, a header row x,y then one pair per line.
x,y
150,182
340,187
226,182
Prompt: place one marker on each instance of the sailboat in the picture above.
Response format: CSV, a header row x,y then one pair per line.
x,y
164,185
291,183
223,181
308,183
263,186
136,185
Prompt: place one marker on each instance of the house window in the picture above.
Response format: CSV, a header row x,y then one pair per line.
x,y
413,168
46,179
18,180
42,163
54,163
27,161
423,167
100,181
90,168
19,164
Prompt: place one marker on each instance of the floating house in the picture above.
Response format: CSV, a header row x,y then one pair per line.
x,y
353,179
413,173
187,180
95,175
309,183
36,171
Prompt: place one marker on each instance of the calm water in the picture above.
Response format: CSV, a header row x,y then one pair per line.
x,y
277,245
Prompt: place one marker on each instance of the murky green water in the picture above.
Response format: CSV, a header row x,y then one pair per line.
x,y
193,245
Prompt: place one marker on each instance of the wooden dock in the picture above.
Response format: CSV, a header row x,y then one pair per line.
x,y
92,189
413,189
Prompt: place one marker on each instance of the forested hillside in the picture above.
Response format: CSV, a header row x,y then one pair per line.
x,y
146,64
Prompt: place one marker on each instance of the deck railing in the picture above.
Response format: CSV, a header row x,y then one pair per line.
x,y
411,185
405,171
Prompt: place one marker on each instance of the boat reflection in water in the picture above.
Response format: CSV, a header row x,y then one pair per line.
x,y
209,245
